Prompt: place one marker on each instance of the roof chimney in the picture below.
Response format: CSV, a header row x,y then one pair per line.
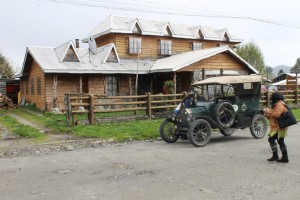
x,y
77,43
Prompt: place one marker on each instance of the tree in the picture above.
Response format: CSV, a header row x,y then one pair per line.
x,y
253,55
269,72
6,69
280,72
296,67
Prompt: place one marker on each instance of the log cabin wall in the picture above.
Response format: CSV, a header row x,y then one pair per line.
x,y
70,83
32,85
220,61
151,44
66,83
96,84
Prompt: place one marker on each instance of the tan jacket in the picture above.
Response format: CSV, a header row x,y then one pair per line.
x,y
273,113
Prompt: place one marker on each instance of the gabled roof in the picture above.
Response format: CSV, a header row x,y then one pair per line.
x,y
117,24
47,59
61,51
102,54
283,82
179,61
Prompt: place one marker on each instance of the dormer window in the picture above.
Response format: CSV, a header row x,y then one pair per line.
x,y
165,47
167,32
226,37
136,29
197,46
135,45
71,56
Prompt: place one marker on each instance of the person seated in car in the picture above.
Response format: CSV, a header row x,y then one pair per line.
x,y
189,100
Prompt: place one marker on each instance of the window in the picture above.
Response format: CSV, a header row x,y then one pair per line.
x,y
197,46
112,83
38,85
165,47
32,86
135,45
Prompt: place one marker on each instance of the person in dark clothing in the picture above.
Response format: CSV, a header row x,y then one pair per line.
x,y
189,101
277,134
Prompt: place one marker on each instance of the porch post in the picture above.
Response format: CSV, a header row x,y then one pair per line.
x,y
221,73
203,77
80,84
54,90
174,80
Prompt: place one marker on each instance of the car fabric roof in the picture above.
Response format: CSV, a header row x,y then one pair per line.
x,y
229,80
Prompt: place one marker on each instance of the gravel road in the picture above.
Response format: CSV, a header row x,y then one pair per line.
x,y
232,167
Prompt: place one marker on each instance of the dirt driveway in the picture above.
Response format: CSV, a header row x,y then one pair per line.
x,y
232,167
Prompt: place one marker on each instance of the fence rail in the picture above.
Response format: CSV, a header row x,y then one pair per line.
x,y
92,103
290,97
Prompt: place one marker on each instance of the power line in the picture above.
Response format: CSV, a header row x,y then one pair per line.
x,y
150,7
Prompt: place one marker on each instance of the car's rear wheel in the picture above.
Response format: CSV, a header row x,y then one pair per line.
x,y
227,132
168,131
199,133
224,114
259,126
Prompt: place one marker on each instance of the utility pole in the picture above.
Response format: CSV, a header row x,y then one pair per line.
x,y
137,70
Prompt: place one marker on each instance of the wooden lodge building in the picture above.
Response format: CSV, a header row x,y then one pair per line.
x,y
157,51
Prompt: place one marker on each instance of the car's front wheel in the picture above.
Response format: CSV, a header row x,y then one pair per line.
x,y
199,133
168,131
259,126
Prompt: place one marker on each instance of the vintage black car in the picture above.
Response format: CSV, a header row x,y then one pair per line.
x,y
226,103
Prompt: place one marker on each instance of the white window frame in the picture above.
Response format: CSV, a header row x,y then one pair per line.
x,y
134,45
197,46
112,85
165,47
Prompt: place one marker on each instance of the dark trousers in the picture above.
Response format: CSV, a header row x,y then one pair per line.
x,y
272,140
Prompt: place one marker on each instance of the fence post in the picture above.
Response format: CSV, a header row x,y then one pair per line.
x,y
68,108
267,98
91,109
296,97
149,105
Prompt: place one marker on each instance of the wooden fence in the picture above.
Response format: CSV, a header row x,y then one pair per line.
x,y
290,97
91,104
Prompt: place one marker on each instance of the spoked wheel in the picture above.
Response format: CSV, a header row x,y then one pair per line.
x,y
224,114
258,126
168,131
199,133
227,132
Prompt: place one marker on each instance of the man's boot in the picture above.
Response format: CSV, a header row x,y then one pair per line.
x,y
275,154
284,158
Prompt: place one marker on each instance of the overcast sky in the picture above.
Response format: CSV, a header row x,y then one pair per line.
x,y
54,22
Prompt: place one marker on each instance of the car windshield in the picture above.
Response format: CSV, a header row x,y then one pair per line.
x,y
211,92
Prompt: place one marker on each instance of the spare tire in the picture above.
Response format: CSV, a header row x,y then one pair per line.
x,y
224,114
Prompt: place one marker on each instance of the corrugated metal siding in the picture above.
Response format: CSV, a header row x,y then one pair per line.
x,y
3,87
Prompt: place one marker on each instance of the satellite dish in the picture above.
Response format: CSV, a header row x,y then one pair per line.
x,y
92,45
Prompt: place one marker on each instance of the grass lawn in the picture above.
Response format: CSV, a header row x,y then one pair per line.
x,y
119,131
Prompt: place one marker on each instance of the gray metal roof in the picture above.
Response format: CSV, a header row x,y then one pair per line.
x,y
179,61
117,24
49,61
